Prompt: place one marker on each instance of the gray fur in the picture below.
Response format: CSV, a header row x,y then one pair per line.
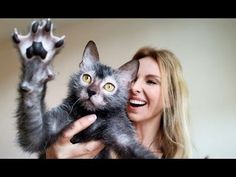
x,y
38,128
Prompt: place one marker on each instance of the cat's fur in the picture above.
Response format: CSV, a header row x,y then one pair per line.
x,y
38,128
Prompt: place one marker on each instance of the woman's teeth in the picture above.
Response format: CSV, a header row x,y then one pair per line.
x,y
136,102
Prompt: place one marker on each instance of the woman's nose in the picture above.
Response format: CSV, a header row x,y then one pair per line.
x,y
136,87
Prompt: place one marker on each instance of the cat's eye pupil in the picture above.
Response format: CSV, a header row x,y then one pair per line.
x,y
109,87
87,78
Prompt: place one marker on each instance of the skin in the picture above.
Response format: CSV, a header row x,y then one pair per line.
x,y
146,118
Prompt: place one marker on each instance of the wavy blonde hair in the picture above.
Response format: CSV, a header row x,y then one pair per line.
x,y
174,135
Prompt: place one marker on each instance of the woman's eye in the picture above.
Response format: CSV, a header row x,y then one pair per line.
x,y
133,81
151,82
109,87
87,78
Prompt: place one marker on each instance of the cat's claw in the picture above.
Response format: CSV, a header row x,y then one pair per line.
x,y
39,42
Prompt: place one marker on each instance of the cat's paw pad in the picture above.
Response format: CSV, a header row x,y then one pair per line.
x,y
39,42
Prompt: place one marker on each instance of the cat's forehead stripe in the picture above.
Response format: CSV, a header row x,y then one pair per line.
x,y
103,71
110,79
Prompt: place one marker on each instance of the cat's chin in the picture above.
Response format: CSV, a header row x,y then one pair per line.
x,y
89,105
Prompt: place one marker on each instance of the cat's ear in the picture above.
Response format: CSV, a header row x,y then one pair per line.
x,y
128,71
90,54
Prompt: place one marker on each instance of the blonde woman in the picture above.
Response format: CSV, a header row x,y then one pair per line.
x,y
158,109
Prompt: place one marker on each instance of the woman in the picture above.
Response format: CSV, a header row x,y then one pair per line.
x,y
157,108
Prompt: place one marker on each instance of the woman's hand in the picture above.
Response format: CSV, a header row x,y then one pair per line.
x,y
63,148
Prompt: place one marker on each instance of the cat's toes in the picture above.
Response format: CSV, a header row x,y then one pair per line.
x,y
15,37
48,25
59,43
35,27
45,42
39,42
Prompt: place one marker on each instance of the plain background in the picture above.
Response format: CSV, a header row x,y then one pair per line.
x,y
205,47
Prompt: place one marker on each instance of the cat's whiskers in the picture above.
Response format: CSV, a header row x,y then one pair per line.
x,y
73,105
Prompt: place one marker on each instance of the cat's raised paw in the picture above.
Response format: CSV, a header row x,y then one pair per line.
x,y
39,42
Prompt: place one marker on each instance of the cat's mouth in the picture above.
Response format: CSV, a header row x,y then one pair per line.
x,y
89,105
137,103
93,103
90,102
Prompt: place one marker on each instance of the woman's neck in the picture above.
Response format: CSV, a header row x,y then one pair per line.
x,y
147,133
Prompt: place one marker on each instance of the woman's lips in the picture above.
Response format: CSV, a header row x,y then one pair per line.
x,y
135,103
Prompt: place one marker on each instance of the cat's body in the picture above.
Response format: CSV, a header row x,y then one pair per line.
x,y
95,89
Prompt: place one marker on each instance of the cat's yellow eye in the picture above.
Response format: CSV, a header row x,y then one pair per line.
x,y
87,78
109,87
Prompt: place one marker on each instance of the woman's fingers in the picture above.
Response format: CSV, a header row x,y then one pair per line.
x,y
63,148
78,150
76,127
87,150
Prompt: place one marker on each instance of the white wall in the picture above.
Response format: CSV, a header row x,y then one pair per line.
x,y
206,48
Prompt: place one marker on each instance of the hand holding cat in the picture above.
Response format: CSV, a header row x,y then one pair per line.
x,y
63,148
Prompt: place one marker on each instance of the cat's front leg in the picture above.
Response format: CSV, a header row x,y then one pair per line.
x,y
37,50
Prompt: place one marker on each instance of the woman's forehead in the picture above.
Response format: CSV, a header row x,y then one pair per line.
x,y
149,66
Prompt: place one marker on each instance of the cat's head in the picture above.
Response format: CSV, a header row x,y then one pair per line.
x,y
100,87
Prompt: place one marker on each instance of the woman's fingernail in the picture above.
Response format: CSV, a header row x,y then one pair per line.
x,y
92,117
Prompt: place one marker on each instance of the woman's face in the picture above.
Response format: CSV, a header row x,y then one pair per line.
x,y
145,95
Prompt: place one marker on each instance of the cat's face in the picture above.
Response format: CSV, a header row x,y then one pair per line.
x,y
98,86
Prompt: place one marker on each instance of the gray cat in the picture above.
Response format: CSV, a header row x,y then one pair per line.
x,y
95,89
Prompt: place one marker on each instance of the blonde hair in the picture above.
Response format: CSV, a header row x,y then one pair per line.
x,y
174,136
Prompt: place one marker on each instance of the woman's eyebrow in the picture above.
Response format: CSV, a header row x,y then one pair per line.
x,y
154,76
